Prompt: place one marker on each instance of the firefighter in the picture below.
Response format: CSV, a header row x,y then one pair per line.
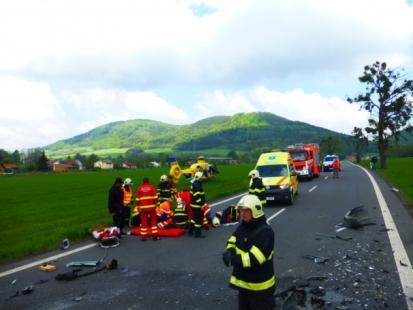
x,y
164,214
197,201
115,204
146,201
127,198
165,192
336,168
256,186
250,251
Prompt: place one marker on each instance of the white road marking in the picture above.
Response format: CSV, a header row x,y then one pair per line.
x,y
399,252
326,177
313,188
66,253
46,259
228,199
274,215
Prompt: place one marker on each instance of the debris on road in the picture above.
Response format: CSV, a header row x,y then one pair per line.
x,y
357,218
403,264
393,189
46,267
316,259
334,236
317,278
14,295
13,282
79,298
41,281
27,290
74,274
65,244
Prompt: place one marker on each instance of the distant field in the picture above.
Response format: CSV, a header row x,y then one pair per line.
x,y
38,211
400,174
87,151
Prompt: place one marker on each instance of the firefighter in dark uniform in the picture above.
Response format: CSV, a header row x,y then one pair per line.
x,y
165,191
256,186
250,252
115,204
197,201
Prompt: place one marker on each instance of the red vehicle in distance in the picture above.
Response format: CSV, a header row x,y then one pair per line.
x,y
306,158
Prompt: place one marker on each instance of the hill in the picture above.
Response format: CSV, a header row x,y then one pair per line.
x,y
241,132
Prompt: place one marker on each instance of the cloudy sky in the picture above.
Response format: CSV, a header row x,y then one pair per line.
x,y
67,66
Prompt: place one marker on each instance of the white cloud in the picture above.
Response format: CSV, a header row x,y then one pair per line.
x,y
331,113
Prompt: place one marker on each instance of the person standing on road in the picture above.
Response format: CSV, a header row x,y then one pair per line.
x,y
146,201
250,251
197,201
257,188
373,162
127,198
115,204
165,192
336,168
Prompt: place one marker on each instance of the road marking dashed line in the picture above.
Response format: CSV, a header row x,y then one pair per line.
x,y
399,252
274,215
313,188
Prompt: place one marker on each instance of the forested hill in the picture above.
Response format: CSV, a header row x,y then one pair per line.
x,y
240,132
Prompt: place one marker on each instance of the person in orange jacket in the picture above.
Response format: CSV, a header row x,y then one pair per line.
x,y
336,168
127,198
146,201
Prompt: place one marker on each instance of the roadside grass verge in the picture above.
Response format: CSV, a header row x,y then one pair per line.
x,y
399,173
38,211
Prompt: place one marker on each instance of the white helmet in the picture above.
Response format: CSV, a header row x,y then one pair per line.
x,y
253,203
128,181
254,174
216,222
164,178
198,175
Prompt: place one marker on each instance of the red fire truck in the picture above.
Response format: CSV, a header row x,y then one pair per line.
x,y
306,159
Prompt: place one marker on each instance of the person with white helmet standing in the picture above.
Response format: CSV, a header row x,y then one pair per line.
x,y
257,188
250,251
165,191
127,198
197,201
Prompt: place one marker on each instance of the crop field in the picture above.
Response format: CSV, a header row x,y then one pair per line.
x,y
38,211
399,173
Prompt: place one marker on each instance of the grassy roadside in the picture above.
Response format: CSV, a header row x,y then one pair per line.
x,y
400,174
38,211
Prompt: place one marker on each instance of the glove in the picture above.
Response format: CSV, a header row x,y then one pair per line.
x,y
227,256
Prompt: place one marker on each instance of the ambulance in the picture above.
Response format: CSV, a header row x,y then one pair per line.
x,y
278,176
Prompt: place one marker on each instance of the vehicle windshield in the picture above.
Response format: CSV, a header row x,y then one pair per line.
x,y
298,156
272,171
329,158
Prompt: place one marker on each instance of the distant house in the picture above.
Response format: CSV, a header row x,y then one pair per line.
x,y
104,164
128,165
8,168
67,165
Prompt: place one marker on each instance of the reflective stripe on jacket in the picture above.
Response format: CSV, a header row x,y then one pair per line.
x,y
197,195
253,243
146,196
127,195
257,188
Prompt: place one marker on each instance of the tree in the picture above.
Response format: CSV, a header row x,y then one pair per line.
x,y
16,157
330,145
42,162
388,100
360,142
90,161
233,154
4,156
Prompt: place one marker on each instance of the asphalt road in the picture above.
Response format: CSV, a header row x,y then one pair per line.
x,y
188,273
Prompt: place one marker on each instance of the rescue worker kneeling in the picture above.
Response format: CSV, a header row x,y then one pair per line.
x,y
250,252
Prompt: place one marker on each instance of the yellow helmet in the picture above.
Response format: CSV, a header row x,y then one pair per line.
x,y
198,175
253,203
254,174
164,178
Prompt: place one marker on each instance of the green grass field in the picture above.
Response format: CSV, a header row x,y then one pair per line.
x,y
38,211
400,174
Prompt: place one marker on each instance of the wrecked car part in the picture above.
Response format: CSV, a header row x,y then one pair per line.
x,y
27,290
357,218
47,267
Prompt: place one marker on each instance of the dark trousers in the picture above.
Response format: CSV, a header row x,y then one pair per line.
x,y
256,301
196,222
119,218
